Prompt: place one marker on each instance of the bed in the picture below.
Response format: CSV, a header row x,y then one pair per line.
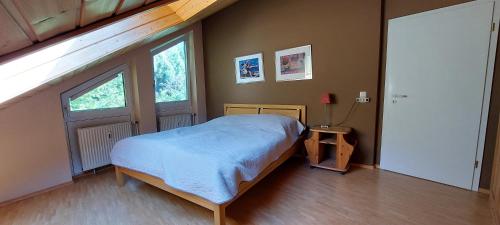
x,y
214,163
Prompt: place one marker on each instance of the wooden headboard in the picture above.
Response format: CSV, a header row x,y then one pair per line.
x,y
297,112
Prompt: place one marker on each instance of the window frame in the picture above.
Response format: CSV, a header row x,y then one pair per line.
x,y
92,84
168,108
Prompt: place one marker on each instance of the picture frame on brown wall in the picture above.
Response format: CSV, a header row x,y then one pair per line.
x,y
249,68
294,64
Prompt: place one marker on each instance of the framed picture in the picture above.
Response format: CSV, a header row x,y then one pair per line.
x,y
294,64
249,68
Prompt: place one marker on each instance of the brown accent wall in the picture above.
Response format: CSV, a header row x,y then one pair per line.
x,y
345,39
398,8
345,36
491,131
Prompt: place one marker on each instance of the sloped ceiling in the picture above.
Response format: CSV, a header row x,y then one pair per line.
x,y
32,21
24,76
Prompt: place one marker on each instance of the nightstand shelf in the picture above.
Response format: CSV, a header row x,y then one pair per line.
x,y
329,141
330,164
334,137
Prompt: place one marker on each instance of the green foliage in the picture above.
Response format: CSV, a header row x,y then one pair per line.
x,y
108,95
170,74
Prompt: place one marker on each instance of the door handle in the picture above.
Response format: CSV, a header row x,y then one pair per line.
x,y
396,96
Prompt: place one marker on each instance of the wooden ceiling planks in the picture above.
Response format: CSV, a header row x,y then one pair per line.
x,y
128,5
94,10
75,44
118,6
13,37
34,77
40,20
48,18
79,31
16,15
18,81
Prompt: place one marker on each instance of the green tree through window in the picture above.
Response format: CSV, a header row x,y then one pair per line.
x,y
108,95
170,74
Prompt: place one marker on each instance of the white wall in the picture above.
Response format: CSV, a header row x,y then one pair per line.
x,y
33,150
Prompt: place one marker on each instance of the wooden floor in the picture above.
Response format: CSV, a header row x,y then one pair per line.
x,y
293,194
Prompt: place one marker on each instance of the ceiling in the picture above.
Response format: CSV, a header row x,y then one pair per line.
x,y
27,22
41,64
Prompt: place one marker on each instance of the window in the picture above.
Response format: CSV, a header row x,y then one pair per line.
x,y
171,73
104,99
110,94
103,96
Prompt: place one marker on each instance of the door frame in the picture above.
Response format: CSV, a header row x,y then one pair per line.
x,y
490,69
488,79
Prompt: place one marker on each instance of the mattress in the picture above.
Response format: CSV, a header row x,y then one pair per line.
x,y
210,160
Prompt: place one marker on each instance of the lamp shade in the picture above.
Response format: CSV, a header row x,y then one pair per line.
x,y
326,98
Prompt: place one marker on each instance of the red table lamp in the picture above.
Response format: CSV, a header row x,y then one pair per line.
x,y
326,99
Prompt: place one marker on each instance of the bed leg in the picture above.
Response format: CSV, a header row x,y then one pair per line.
x,y
220,215
120,178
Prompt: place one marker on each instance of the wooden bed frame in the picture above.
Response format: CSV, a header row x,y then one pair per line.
x,y
295,111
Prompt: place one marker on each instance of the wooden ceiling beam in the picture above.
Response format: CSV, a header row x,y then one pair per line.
x,y
190,8
22,77
30,26
13,37
128,5
178,4
34,70
14,83
82,12
48,18
78,17
14,10
80,31
97,10
85,40
118,7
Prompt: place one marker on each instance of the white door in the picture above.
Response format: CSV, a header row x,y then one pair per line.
x,y
434,89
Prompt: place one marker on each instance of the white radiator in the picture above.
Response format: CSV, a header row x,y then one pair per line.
x,y
95,143
175,121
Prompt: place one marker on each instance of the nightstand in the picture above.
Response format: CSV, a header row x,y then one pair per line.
x,y
334,137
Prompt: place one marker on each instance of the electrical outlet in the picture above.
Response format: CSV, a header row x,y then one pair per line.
x,y
362,97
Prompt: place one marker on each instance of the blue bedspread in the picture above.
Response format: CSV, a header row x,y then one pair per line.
x,y
211,159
